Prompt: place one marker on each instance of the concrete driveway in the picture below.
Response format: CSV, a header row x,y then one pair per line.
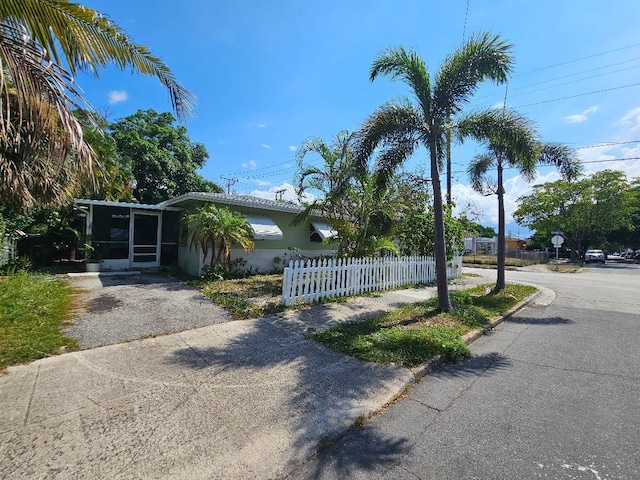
x,y
119,308
233,400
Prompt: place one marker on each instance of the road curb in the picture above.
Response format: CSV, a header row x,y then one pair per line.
x,y
435,363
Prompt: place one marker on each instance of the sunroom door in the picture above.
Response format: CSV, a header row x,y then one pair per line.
x,y
145,248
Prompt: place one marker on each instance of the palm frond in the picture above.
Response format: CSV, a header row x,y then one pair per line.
x,y
482,57
87,39
401,64
42,148
388,161
392,123
510,136
562,157
478,169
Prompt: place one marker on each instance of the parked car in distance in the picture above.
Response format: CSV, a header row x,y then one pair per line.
x,y
594,256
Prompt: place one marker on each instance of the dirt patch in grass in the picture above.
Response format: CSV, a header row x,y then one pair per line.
x,y
251,297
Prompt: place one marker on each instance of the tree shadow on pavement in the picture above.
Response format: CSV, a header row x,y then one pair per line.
x,y
484,363
361,451
281,379
541,321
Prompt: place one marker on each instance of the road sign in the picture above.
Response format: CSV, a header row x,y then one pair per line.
x,y
557,240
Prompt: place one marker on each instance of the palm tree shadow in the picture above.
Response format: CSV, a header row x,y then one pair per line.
x,y
320,393
362,450
478,364
541,321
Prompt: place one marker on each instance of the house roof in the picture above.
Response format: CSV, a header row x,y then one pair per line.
x,y
220,198
237,200
109,203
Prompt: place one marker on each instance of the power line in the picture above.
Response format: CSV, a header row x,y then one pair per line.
x,y
578,95
570,82
580,73
577,60
261,168
466,14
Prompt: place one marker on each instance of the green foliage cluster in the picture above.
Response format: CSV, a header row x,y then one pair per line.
x,y
588,211
416,235
161,157
32,310
416,333
215,229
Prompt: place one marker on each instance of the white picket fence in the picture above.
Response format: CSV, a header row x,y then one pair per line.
x,y
311,280
8,249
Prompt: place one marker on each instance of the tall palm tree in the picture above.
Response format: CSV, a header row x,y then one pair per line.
x,y
43,43
400,128
216,229
511,143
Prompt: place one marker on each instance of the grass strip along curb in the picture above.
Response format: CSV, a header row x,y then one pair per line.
x,y
415,334
32,310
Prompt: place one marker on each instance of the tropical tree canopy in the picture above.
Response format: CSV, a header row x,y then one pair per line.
x,y
161,157
586,211
215,229
43,43
397,129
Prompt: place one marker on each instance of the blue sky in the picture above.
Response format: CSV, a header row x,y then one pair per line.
x,y
268,75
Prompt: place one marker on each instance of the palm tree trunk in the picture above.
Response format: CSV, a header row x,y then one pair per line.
x,y
444,302
449,174
500,281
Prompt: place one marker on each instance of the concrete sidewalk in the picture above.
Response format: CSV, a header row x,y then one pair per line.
x,y
235,400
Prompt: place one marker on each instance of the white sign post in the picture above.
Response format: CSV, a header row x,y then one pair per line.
x,y
557,241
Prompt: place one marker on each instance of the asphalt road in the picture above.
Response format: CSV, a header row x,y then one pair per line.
x,y
553,393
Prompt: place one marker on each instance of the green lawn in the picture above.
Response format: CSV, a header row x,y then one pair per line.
x,y
416,333
32,310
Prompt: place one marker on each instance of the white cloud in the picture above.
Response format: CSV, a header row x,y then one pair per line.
x,y
292,148
262,183
289,193
631,120
117,96
264,145
487,206
580,117
250,164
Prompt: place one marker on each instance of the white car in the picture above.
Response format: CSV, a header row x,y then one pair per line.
x,y
594,256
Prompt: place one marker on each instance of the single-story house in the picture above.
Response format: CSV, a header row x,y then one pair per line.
x,y
131,235
481,245
489,245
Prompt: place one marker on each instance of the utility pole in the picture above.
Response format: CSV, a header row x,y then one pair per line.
x,y
230,182
280,194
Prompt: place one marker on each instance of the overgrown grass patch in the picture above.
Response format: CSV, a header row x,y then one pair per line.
x,y
413,334
32,310
488,260
565,267
250,297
